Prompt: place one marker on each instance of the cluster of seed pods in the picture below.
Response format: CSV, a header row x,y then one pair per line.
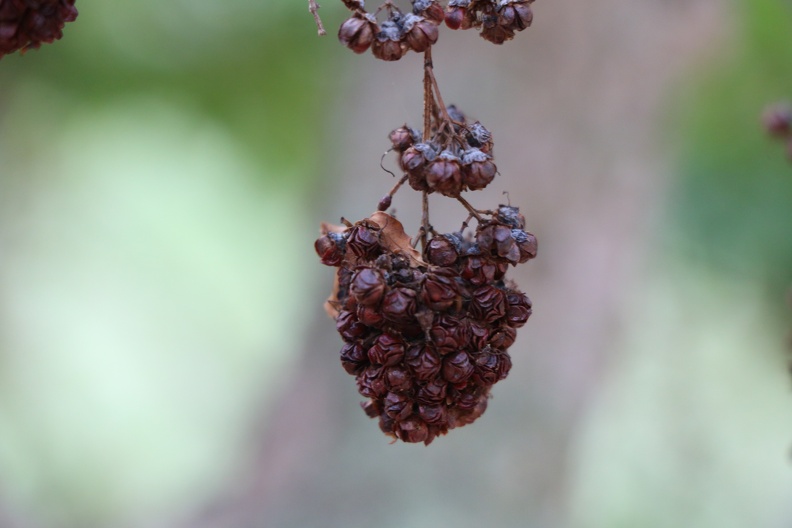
x,y
427,336
26,24
398,33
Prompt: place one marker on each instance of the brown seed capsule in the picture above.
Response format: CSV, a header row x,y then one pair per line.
x,y
388,50
444,175
488,304
439,291
371,408
449,334
457,367
496,33
370,316
503,337
371,382
368,286
454,17
402,138
331,248
399,305
511,216
433,414
350,329
434,391
420,33
398,379
412,430
485,368
387,350
478,170
518,309
477,270
479,334
397,406
442,251
363,241
526,243
504,364
423,361
354,358
430,9
515,16
357,33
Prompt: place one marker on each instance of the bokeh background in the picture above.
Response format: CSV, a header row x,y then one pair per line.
x,y
164,358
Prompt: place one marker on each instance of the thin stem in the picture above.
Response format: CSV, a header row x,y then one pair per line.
x,y
313,7
425,227
475,213
429,101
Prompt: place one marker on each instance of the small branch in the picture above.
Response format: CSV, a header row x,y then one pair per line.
x,y
429,102
475,213
425,227
313,7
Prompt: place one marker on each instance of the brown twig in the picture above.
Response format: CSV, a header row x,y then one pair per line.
x,y
475,213
313,7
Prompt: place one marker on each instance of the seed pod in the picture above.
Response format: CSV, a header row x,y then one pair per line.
x,y
488,304
370,316
371,382
363,241
515,15
397,406
368,286
402,138
433,414
473,414
387,350
420,33
511,216
350,329
457,367
398,379
479,334
503,337
388,44
371,408
430,9
357,33
439,292
442,250
526,243
412,430
496,33
479,137
478,170
477,270
434,391
504,364
399,305
518,309
27,24
485,368
444,174
423,361
497,241
331,248
454,17
354,358
448,334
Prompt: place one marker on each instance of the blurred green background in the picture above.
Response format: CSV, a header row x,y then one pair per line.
x,y
163,169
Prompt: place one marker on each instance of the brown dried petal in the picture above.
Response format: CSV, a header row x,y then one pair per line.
x,y
394,239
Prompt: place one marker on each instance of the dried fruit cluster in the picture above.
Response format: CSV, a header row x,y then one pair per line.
x,y
427,338
426,333
25,24
417,30
456,158
777,120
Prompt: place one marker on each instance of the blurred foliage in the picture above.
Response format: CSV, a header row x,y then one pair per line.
x,y
732,203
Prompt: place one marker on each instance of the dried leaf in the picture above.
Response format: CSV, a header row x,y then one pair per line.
x,y
393,237
325,228
331,304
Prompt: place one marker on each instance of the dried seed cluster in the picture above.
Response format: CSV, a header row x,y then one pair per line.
x,y
426,336
417,30
456,158
777,120
25,24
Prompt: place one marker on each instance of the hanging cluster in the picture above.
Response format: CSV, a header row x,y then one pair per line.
x,y
417,30
25,24
457,157
426,336
777,120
